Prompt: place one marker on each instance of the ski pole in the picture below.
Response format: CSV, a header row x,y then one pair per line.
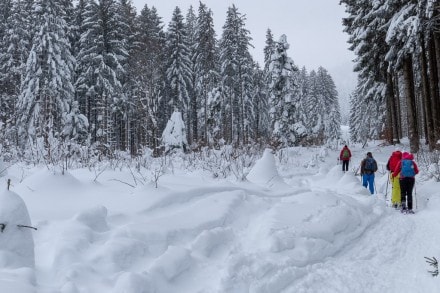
x,y
386,190
415,194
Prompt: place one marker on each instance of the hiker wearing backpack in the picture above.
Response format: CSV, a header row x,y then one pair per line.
x,y
406,169
368,167
395,158
345,157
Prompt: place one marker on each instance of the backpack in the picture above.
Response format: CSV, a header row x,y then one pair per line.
x,y
370,165
407,169
345,154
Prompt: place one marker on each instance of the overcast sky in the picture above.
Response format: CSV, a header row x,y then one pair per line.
x,y
313,29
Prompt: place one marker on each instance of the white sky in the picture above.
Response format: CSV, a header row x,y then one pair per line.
x,y
313,27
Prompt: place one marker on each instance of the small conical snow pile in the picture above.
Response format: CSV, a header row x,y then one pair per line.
x,y
174,134
16,242
265,172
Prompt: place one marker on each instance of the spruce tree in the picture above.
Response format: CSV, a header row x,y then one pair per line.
x,y
206,71
191,115
100,64
47,91
179,66
236,72
151,69
286,130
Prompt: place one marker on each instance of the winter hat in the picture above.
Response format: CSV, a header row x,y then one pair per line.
x,y
407,156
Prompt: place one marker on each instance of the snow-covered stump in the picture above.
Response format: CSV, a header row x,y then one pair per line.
x,y
16,239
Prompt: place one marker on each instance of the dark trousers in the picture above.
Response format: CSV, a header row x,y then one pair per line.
x,y
406,187
345,165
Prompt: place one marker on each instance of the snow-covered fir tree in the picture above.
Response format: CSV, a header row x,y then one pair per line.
x,y
47,91
269,49
331,113
260,115
191,34
236,72
206,71
17,28
309,96
179,73
286,129
151,73
101,56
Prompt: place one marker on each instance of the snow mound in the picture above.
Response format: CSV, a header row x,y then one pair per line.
x,y
265,173
94,218
16,241
351,184
172,263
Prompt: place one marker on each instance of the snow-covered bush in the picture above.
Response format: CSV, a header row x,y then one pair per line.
x,y
429,164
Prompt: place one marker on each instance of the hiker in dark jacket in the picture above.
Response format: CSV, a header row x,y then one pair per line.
x,y
345,157
408,170
368,167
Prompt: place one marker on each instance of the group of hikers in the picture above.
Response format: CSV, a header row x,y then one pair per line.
x,y
402,170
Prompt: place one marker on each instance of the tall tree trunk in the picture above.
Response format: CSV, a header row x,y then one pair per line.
x,y
193,127
398,108
434,62
429,123
392,124
413,130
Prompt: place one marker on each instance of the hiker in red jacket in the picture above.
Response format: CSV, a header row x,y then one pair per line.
x,y
408,170
396,195
345,157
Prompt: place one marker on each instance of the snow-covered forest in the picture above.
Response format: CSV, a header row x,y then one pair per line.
x,y
138,156
96,78
397,44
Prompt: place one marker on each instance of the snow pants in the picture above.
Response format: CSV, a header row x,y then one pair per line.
x,y
345,165
396,194
368,181
406,187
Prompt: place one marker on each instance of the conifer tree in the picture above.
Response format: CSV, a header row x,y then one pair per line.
x,y
286,130
236,72
47,91
124,105
191,115
15,45
151,69
331,113
179,64
206,71
100,59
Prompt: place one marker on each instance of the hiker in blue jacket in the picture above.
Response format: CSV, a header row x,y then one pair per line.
x,y
406,169
368,167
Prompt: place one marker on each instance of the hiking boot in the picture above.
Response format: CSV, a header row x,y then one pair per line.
x,y
403,209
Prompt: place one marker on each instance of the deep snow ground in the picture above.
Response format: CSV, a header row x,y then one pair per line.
x,y
297,225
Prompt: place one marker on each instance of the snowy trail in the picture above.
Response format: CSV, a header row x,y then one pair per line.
x,y
393,242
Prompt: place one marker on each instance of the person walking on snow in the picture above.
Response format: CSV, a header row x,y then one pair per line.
x,y
406,169
345,157
395,158
368,167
